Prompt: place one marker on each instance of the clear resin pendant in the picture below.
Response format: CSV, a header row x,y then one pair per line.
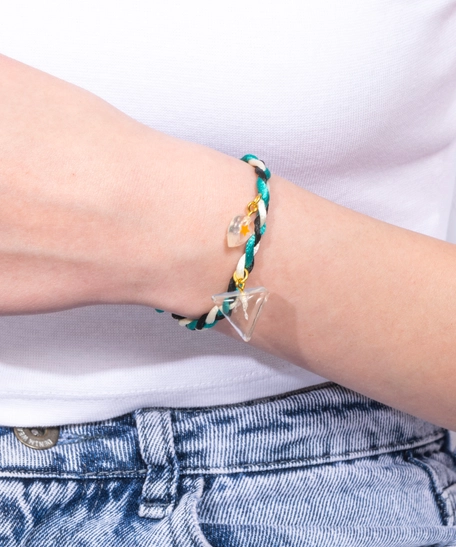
x,y
242,308
239,230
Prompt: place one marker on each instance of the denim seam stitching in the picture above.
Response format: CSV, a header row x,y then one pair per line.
x,y
104,474
413,443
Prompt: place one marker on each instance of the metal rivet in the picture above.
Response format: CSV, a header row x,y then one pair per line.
x,y
38,438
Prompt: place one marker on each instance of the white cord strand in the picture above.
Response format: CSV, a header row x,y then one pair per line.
x,y
211,315
262,212
257,163
240,267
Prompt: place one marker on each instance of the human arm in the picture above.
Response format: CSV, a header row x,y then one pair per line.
x,y
97,208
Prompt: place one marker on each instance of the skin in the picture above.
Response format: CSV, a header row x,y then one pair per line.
x,y
97,208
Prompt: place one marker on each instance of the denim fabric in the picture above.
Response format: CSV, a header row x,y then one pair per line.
x,y
320,467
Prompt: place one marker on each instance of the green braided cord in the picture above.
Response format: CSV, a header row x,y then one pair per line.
x,y
263,190
192,325
249,247
248,157
219,315
261,185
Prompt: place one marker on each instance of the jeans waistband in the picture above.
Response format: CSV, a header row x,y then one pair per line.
x,y
322,424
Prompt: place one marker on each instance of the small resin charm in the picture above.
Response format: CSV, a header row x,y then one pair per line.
x,y
239,230
242,308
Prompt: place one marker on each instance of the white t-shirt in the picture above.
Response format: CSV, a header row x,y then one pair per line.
x,y
355,101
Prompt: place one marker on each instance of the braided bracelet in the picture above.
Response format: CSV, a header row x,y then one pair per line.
x,y
241,306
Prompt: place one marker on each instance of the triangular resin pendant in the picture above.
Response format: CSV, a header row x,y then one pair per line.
x,y
242,309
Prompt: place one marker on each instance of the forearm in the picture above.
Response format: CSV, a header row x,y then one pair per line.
x,y
93,201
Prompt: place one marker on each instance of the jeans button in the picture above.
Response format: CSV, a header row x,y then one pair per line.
x,y
39,438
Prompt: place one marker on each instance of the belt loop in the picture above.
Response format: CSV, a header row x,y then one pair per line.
x,y
156,444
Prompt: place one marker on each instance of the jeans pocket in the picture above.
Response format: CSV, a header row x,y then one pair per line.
x,y
390,499
238,525
235,510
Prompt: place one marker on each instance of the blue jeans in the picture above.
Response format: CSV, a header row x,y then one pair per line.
x,y
320,467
